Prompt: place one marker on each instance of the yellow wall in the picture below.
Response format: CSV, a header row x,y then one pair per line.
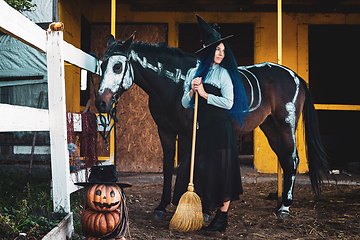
x,y
70,14
295,48
295,56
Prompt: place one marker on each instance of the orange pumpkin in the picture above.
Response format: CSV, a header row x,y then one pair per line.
x,y
100,223
103,197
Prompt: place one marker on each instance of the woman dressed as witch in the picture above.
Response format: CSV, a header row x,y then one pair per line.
x,y
222,100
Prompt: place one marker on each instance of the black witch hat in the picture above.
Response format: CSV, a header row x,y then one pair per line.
x,y
209,35
103,175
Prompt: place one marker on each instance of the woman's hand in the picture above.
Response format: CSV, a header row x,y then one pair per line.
x,y
196,85
200,89
195,82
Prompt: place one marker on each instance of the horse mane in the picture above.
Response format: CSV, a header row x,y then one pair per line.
x,y
160,48
163,52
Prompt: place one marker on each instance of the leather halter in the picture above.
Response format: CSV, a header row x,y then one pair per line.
x,y
105,121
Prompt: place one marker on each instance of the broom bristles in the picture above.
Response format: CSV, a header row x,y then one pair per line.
x,y
188,215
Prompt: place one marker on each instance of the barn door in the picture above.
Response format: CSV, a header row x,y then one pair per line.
x,y
334,77
138,145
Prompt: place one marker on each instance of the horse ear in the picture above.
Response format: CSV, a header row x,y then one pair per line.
x,y
128,42
111,40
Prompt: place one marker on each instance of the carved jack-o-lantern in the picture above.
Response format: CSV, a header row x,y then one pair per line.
x,y
100,223
105,212
103,197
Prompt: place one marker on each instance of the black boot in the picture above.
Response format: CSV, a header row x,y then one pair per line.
x,y
219,223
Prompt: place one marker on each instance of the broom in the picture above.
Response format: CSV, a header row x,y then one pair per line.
x,y
188,215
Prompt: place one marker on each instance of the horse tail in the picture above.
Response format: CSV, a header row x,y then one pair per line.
x,y
317,158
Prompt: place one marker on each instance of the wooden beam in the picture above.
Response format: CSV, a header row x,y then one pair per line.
x,y
194,7
21,82
337,107
20,27
79,58
18,118
287,8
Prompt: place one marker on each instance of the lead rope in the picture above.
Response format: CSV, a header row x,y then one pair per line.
x,y
105,121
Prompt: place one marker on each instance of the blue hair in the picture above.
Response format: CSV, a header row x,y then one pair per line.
x,y
205,62
240,108
204,67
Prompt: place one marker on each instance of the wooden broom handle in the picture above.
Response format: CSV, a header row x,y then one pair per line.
x,y
191,184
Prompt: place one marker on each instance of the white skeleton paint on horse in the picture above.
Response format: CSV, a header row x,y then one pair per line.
x,y
276,95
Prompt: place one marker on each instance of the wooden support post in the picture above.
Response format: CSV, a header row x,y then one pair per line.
x,y
113,26
60,168
279,30
113,17
112,144
176,158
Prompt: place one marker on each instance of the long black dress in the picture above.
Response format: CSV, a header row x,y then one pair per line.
x,y
217,172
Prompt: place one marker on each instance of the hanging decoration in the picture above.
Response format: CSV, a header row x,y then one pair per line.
x,y
86,141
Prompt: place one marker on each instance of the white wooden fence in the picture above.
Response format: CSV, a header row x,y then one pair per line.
x,y
18,118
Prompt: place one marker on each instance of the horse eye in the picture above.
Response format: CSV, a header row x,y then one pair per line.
x,y
98,193
117,68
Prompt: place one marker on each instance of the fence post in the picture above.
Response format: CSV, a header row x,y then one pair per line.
x,y
57,118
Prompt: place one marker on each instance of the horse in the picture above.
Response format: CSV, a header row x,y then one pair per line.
x,y
276,95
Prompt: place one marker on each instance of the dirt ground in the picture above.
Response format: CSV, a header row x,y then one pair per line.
x,y
335,216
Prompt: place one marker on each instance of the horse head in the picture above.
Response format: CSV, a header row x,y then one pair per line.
x,y
117,74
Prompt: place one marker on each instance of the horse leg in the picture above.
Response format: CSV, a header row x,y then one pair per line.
x,y
271,133
289,163
168,144
282,141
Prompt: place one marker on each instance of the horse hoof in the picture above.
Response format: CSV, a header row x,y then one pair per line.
x,y
158,214
283,213
206,217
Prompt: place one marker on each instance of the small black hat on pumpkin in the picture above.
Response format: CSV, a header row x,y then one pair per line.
x,y
103,175
209,35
